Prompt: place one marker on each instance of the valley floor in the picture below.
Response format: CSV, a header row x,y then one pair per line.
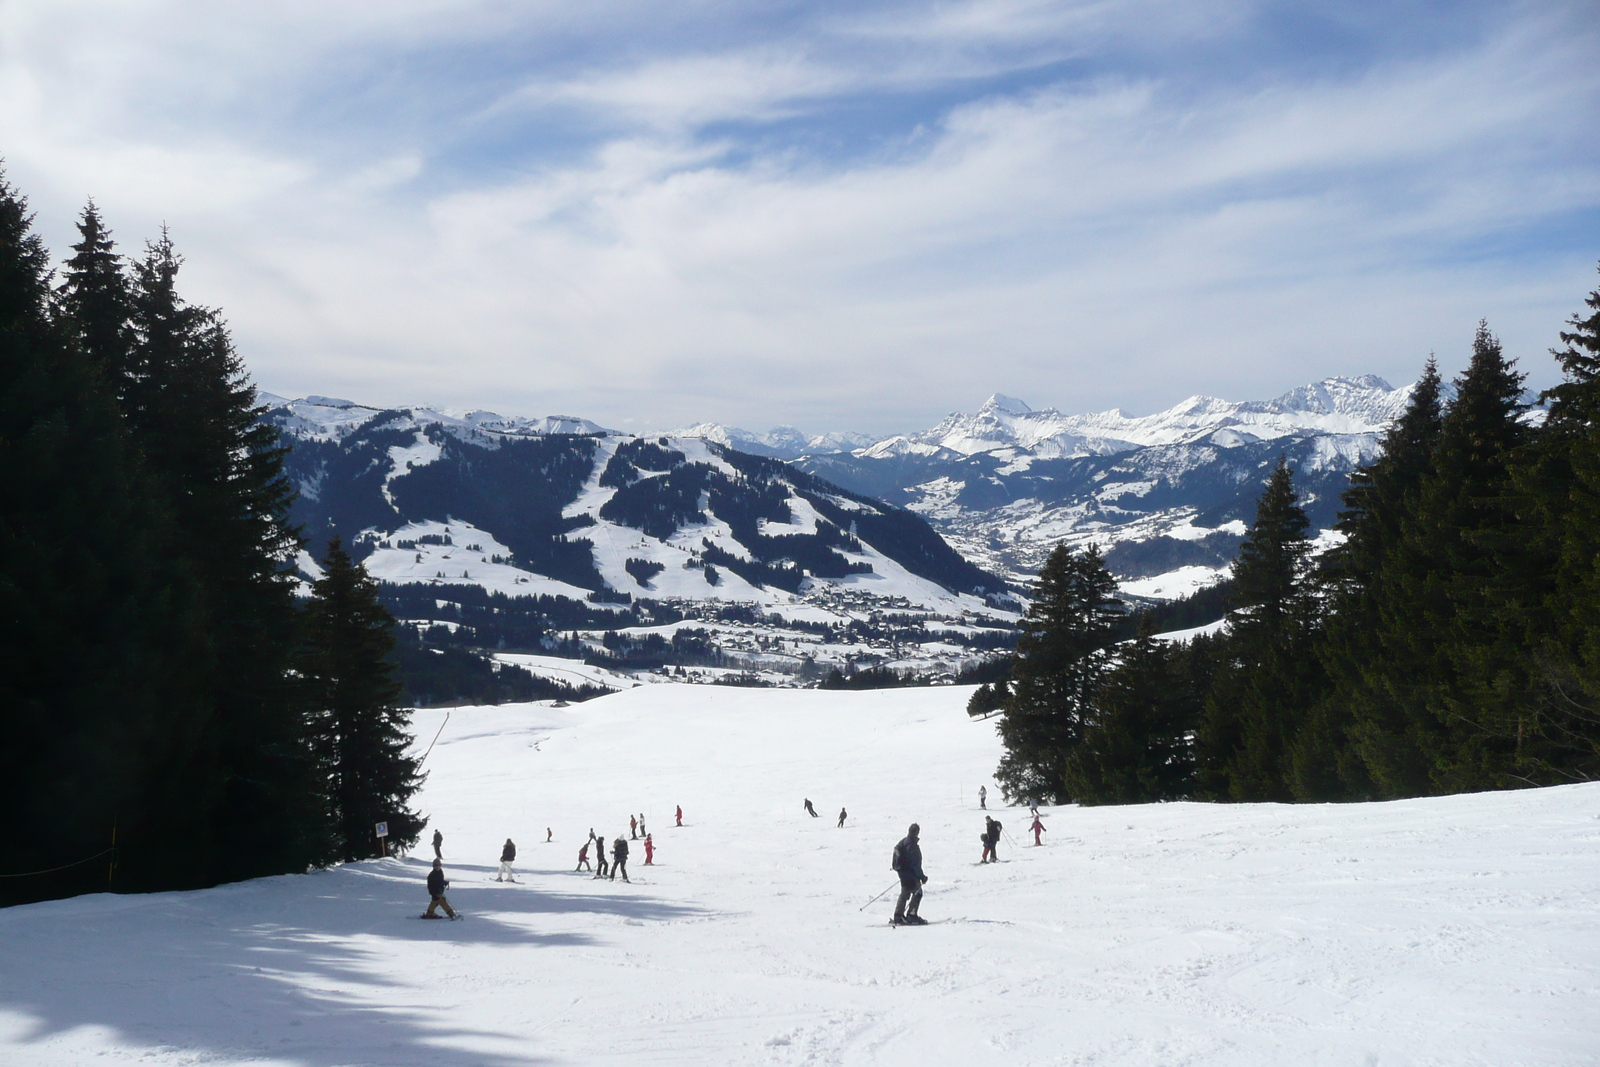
x,y
1459,930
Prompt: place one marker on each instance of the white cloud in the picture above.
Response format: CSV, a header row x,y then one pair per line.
x,y
1125,237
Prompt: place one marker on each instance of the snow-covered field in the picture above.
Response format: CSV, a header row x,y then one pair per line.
x,y
1447,931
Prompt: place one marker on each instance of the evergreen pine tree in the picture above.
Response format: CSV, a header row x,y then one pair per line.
x,y
193,413
97,303
1269,679
79,607
1374,700
1477,590
1135,745
352,698
1073,616
1560,476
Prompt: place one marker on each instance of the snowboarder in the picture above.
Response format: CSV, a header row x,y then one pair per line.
x,y
436,888
983,799
842,816
583,858
680,814
438,845
619,859
810,810
507,854
633,827
649,851
907,863
1037,828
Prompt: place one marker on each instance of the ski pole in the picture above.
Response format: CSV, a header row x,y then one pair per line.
x,y
1003,830
864,906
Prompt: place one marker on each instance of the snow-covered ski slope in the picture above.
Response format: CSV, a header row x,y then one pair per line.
x,y
1448,931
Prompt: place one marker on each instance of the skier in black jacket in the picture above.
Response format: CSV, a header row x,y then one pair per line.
x,y
507,854
619,859
436,888
908,864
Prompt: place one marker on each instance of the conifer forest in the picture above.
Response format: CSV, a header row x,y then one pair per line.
x,y
175,715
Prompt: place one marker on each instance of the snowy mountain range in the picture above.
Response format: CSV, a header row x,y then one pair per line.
x,y
589,532
1167,495
933,530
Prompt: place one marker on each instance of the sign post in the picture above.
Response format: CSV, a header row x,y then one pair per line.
x,y
383,837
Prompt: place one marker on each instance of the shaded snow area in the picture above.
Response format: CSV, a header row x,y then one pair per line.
x,y
1452,931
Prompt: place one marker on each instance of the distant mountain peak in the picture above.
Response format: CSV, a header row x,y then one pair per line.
x,y
1009,404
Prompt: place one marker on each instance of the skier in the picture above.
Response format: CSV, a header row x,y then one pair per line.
x,y
600,867
649,851
1037,828
507,854
583,858
619,859
908,864
633,827
641,825
438,845
436,888
549,835
810,810
983,799
842,815
991,838
680,814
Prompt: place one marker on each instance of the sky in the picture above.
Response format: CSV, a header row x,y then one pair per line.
x,y
839,216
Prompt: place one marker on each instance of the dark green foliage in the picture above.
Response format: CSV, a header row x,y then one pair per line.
x,y
1560,480
642,570
1056,672
86,621
352,702
192,411
987,699
1255,709
1135,746
1370,643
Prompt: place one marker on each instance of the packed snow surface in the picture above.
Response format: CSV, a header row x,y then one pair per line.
x,y
1450,931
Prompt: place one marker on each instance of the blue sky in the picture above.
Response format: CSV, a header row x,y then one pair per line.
x,y
837,216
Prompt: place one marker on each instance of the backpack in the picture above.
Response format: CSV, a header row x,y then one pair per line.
x,y
899,856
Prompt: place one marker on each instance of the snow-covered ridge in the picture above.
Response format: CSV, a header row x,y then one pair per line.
x,y
325,418
1332,406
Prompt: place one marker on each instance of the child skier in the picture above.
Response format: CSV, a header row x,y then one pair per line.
x,y
1037,828
649,851
583,858
436,887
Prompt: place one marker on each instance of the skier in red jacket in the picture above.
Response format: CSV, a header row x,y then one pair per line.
x,y
1037,828
680,814
649,850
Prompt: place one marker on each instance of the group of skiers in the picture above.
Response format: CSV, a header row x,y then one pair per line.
x,y
619,850
906,861
811,811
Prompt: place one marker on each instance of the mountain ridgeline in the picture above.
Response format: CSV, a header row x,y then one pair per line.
x,y
692,501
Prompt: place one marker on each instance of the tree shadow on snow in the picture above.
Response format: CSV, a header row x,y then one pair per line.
x,y
268,967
